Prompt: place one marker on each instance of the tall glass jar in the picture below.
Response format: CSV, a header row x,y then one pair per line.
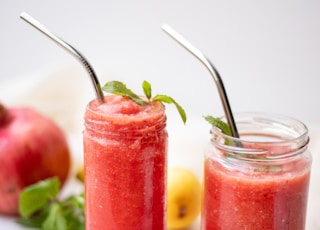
x,y
125,160
260,180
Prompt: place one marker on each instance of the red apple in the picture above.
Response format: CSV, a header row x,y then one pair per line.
x,y
32,148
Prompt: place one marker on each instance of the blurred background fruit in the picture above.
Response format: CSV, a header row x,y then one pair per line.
x,y
184,197
32,147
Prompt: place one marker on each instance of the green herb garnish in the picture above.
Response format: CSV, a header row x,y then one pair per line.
x,y
119,88
224,127
40,207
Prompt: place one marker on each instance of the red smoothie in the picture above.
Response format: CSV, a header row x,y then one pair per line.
x,y
125,159
246,192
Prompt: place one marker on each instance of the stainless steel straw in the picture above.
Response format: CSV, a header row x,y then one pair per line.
x,y
214,73
70,49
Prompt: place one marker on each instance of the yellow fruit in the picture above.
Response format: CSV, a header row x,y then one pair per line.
x,y
80,174
184,198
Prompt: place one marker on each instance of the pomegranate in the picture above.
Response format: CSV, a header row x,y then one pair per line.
x,y
32,148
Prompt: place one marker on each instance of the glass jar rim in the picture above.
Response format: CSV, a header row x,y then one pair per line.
x,y
270,135
153,118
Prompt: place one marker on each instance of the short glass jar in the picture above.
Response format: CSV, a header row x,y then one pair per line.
x,y
260,180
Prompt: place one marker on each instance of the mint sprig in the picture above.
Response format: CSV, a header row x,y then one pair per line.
x,y
146,86
224,127
36,197
119,88
40,207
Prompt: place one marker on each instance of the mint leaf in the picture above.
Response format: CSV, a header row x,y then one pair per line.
x,y
55,219
117,87
170,100
53,213
34,221
224,127
147,89
35,197
74,211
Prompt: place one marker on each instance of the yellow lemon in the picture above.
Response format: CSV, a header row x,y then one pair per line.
x,y
80,173
184,198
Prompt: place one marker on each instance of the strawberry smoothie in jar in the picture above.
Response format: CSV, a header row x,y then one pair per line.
x,y
260,180
125,160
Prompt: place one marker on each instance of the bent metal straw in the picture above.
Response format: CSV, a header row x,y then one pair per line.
x,y
214,73
70,49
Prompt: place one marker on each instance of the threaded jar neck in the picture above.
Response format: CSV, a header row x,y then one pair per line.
x,y
263,137
124,118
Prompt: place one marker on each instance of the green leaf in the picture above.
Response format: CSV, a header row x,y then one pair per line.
x,y
117,87
74,211
29,223
35,221
224,127
75,219
170,100
55,219
41,208
35,197
147,89
74,201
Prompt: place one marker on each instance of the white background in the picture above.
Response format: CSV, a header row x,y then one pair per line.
x,y
267,52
